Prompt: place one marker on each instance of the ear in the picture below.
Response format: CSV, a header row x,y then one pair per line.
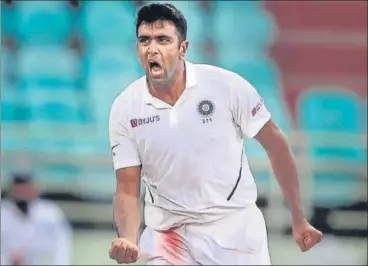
x,y
183,49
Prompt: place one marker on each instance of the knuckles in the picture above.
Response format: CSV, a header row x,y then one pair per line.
x,y
120,249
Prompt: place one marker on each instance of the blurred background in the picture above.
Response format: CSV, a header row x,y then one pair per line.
x,y
63,63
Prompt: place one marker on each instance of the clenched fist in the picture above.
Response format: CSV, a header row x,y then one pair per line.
x,y
124,251
306,236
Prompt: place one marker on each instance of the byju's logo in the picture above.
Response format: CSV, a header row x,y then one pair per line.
x,y
257,107
144,121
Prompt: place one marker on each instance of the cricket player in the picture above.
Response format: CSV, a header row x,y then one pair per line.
x,y
33,231
180,128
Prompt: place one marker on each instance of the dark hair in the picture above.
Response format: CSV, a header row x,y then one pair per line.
x,y
21,178
150,13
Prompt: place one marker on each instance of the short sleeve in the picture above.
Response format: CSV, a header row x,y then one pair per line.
x,y
123,147
249,110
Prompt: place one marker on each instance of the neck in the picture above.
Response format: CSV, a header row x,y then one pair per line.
x,y
171,90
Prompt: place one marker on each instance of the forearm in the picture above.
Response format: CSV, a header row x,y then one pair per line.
x,y
127,216
285,171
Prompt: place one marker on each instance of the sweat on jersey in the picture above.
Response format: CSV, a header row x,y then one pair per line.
x,y
191,153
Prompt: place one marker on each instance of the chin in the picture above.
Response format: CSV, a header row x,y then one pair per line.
x,y
159,78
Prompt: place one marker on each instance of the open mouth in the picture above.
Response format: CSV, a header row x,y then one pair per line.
x,y
155,67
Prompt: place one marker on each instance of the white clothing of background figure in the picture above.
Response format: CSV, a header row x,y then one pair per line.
x,y
35,234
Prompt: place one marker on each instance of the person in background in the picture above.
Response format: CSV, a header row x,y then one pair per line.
x,y
34,231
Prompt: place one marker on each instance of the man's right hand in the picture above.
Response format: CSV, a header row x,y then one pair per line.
x,y
124,251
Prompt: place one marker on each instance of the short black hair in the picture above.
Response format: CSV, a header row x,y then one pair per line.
x,y
21,178
150,13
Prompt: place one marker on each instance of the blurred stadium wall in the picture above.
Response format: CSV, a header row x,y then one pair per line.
x,y
63,63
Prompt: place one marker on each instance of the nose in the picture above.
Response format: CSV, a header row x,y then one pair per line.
x,y
152,48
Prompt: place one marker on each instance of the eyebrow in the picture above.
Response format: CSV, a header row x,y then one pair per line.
x,y
163,36
143,37
158,36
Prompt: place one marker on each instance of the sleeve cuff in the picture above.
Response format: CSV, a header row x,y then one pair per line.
x,y
120,165
258,126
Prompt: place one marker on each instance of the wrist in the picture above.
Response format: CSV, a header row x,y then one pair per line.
x,y
297,216
132,239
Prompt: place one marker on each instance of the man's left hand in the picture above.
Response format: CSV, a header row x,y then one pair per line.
x,y
305,235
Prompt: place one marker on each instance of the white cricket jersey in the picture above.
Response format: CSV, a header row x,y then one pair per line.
x,y
191,153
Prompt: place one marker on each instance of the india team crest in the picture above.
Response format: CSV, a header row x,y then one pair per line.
x,y
206,109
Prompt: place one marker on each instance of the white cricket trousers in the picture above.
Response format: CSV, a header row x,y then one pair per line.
x,y
238,239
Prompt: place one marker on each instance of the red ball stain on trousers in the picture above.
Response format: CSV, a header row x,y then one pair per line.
x,y
171,246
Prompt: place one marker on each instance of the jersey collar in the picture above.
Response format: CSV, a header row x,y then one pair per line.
x,y
191,82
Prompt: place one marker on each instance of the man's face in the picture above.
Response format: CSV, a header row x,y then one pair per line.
x,y
159,50
24,192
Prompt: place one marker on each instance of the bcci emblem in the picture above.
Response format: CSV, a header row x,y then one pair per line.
x,y
205,109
